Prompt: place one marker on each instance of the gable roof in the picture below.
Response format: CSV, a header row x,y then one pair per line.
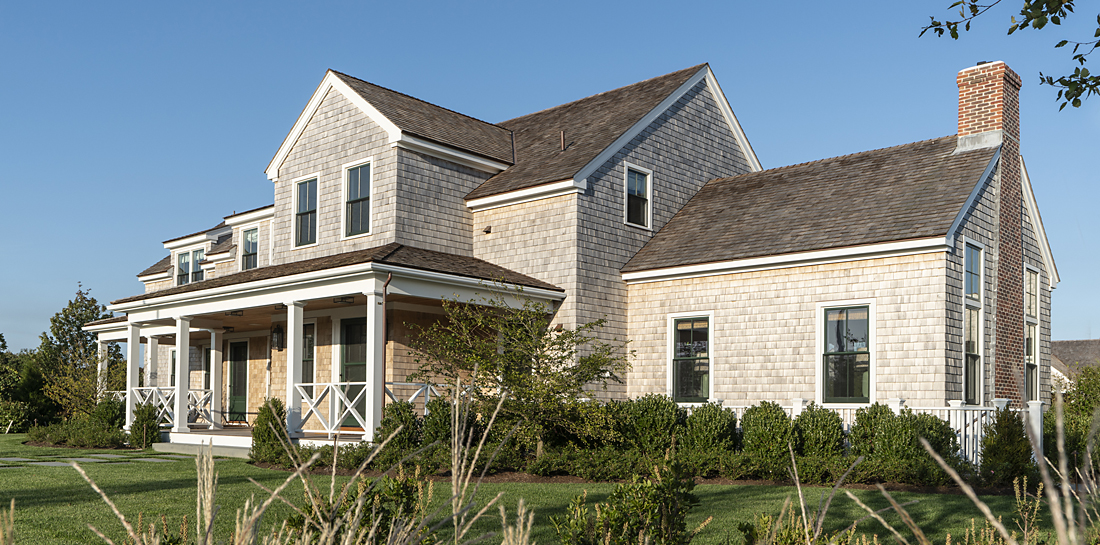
x,y
392,254
1076,355
591,125
159,267
906,192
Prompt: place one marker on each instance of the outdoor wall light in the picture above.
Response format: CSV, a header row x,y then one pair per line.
x,y
235,313
277,337
280,306
344,300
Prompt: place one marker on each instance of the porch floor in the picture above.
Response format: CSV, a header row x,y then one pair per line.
x,y
238,438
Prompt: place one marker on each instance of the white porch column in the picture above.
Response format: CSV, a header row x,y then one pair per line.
x,y
1035,422
295,314
133,359
216,378
896,404
1001,403
376,364
797,405
183,373
101,365
152,365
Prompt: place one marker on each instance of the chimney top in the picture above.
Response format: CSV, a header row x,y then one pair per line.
x,y
989,105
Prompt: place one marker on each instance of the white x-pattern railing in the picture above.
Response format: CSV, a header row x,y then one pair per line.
x,y
198,405
342,404
164,399
426,390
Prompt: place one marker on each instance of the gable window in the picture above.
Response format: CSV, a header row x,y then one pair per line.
x,y
973,275
1031,326
973,355
357,212
847,356
188,268
691,359
638,196
251,248
305,229
1031,294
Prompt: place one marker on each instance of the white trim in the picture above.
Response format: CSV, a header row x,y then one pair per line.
x,y
974,193
1032,208
448,153
627,167
166,275
241,241
819,348
174,270
330,81
735,125
817,257
968,302
344,169
1038,294
670,347
254,216
544,191
296,184
978,305
228,362
201,238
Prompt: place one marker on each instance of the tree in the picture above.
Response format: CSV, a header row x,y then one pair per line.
x,y
9,373
68,357
1035,14
496,348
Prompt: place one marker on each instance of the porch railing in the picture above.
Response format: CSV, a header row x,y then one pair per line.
x,y
343,399
164,399
425,390
198,406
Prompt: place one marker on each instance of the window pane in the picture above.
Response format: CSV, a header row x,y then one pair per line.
x,y
970,337
1029,344
971,378
691,366
251,241
847,378
857,329
636,210
973,275
1032,290
692,380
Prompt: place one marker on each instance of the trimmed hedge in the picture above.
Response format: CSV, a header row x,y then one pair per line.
x,y
818,432
145,429
766,433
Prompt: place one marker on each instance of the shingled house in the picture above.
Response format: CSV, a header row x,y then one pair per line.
x,y
919,271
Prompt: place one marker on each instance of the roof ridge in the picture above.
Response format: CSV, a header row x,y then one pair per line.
x,y
203,232
695,68
339,73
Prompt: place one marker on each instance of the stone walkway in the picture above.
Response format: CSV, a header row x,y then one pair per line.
x,y
59,460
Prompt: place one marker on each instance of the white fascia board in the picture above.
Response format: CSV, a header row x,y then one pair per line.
x,y
544,191
103,328
198,239
208,265
448,153
952,231
330,81
1032,207
157,276
735,125
219,257
802,259
249,217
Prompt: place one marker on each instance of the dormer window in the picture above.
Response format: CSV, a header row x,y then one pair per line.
x,y
305,231
188,268
638,196
250,249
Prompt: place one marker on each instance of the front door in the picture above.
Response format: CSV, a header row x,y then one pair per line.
x,y
238,381
353,364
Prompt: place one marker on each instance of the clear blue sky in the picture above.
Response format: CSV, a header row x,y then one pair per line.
x,y
126,124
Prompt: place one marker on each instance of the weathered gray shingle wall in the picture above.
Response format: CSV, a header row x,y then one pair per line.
x,y
431,212
1033,256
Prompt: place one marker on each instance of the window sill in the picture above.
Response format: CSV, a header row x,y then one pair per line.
x,y
639,227
353,237
304,246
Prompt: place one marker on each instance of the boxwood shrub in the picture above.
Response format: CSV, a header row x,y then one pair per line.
x,y
267,433
1006,450
766,432
818,432
649,423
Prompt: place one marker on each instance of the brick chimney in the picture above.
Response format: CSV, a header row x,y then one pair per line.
x,y
989,115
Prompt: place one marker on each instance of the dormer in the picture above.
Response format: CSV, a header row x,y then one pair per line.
x,y
188,253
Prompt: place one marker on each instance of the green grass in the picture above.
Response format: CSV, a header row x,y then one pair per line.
x,y
55,505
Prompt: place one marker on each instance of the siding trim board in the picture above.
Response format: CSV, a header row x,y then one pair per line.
x,y
545,191
986,177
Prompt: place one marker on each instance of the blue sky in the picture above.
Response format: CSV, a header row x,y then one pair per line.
x,y
126,124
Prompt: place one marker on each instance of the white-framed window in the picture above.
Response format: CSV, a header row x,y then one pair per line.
x,y
309,345
187,266
172,375
973,321
1031,333
638,196
846,351
305,212
250,248
358,182
691,353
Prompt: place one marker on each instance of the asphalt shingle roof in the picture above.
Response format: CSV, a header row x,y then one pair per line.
x,y
1076,355
159,267
904,192
393,253
590,124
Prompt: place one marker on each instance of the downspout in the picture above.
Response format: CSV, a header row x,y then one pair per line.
x,y
385,336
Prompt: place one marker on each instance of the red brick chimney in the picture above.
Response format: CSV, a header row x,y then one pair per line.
x,y
989,114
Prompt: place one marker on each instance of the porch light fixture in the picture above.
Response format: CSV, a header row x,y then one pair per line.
x,y
227,329
280,306
235,313
277,337
344,300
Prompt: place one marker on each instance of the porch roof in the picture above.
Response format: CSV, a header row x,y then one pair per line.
x,y
392,254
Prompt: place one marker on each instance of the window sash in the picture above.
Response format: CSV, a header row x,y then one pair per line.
x,y
972,359
306,218
637,198
973,274
691,360
251,248
308,342
1031,297
183,264
197,273
846,355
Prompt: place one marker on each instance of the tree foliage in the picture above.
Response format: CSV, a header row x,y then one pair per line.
x,y
497,347
1035,14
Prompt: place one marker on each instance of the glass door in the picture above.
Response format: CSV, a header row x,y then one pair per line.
x,y
238,381
353,364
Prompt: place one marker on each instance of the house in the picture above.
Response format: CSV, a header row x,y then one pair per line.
x,y
917,272
1068,358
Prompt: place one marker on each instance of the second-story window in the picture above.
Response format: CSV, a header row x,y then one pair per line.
x,y
306,218
1031,338
187,267
637,197
357,214
196,270
250,249
973,280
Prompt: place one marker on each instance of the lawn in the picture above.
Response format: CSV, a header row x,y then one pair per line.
x,y
55,505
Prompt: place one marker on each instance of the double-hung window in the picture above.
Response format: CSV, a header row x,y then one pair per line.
x,y
305,229
308,336
250,249
357,212
1031,340
972,325
691,359
188,268
638,197
847,355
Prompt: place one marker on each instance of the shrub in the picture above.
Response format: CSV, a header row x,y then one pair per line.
x,y
710,427
649,423
110,411
83,433
145,429
870,421
1006,450
400,414
267,433
898,455
16,415
819,432
766,433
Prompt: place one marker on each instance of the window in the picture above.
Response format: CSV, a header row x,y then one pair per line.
x,y
306,219
1031,294
973,280
308,331
172,377
1031,365
251,249
206,368
691,360
973,356
357,214
847,356
637,197
188,268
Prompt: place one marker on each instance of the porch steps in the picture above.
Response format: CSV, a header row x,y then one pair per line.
x,y
186,448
